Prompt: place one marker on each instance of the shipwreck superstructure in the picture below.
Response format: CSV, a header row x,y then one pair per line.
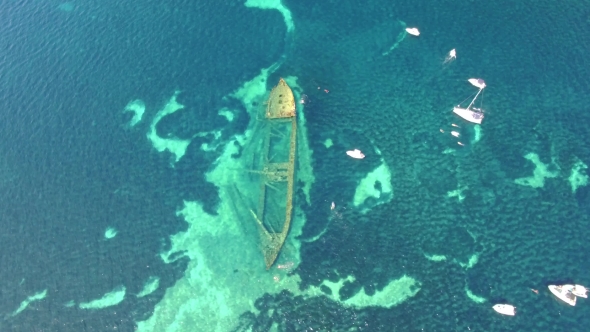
x,y
276,167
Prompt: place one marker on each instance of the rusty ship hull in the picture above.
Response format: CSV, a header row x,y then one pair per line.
x,y
277,172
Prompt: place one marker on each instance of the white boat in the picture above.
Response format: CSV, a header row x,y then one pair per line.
x,y
470,114
505,309
413,31
356,154
477,82
564,293
580,291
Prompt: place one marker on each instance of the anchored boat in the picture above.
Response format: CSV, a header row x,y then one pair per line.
x,y
564,293
505,309
277,171
470,113
356,154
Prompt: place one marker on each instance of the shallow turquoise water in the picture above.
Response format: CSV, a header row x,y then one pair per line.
x,y
72,167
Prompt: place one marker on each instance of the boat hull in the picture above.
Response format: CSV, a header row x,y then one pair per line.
x,y
356,154
505,309
275,201
580,291
469,115
564,293
477,82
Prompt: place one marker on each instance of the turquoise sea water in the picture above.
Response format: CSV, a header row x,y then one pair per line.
x,y
127,129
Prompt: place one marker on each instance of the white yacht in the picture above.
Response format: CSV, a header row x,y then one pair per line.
x,y
413,31
356,154
564,293
580,291
505,309
469,113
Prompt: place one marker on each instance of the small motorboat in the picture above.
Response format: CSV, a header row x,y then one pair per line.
x,y
451,57
505,309
564,293
413,31
580,291
453,54
477,82
356,154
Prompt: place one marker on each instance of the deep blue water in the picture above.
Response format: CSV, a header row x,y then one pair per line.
x,y
70,167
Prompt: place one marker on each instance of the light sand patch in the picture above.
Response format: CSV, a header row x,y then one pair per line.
x,y
109,299
473,259
578,178
396,292
273,4
173,145
110,233
435,258
137,107
227,114
457,193
477,135
542,171
150,286
473,297
24,304
366,188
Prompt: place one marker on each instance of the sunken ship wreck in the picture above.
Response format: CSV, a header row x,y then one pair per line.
x,y
275,166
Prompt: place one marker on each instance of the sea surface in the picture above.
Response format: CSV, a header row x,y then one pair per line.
x,y
128,128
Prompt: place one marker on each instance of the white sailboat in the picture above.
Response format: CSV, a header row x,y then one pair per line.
x,y
564,293
470,114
